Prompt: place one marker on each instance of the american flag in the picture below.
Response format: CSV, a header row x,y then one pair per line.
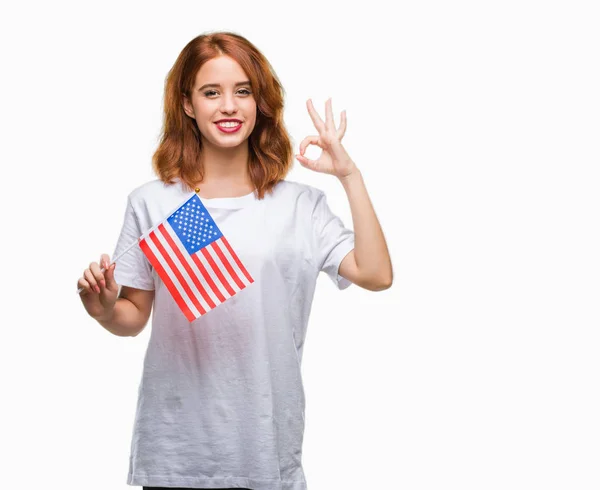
x,y
194,259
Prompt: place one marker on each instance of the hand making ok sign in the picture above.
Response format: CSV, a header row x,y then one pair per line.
x,y
334,159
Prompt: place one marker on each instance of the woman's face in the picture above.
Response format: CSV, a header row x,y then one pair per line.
x,y
229,96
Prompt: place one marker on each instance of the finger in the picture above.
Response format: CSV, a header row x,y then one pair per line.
x,y
105,261
329,124
98,275
83,284
316,119
342,129
309,140
89,277
307,162
109,275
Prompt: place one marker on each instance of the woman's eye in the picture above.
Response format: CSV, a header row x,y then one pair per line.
x,y
209,93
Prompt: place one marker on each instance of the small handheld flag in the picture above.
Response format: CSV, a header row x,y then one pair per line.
x,y
194,259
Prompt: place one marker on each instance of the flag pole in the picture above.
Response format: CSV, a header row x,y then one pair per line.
x,y
196,191
113,261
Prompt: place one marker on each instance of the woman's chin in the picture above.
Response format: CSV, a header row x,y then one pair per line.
x,y
226,142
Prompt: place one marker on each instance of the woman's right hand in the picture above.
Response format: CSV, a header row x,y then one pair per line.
x,y
100,290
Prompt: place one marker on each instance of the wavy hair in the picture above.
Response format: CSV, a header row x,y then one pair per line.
x,y
180,148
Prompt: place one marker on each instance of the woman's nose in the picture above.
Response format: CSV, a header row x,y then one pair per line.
x,y
229,104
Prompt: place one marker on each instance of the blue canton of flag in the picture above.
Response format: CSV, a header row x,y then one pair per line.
x,y
194,225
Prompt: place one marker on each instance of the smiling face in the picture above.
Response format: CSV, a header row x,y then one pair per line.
x,y
222,91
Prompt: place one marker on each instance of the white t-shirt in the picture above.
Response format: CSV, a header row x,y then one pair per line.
x,y
221,401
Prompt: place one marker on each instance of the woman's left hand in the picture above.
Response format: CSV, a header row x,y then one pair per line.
x,y
334,159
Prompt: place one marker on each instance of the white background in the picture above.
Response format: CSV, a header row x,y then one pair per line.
x,y
475,125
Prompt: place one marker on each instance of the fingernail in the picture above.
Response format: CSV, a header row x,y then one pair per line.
x,y
103,282
97,289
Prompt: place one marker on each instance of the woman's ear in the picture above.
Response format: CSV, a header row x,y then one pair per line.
x,y
187,107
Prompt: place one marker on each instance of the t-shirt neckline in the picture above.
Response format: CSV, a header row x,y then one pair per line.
x,y
226,202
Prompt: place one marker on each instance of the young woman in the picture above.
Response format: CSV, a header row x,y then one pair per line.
x,y
221,401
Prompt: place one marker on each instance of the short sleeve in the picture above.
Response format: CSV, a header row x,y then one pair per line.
x,y
333,241
133,269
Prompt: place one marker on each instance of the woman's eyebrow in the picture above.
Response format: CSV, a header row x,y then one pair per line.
x,y
247,82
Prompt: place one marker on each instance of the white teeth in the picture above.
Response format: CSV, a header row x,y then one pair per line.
x,y
229,124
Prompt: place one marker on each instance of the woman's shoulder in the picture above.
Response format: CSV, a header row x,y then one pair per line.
x,y
292,190
153,189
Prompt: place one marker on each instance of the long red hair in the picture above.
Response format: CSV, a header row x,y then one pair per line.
x,y
180,148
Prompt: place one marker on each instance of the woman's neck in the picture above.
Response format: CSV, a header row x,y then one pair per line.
x,y
225,172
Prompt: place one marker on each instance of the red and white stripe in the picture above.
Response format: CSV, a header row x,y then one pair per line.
x,y
198,282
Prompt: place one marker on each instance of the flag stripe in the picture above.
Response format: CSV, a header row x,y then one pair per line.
x,y
170,273
185,284
227,277
208,277
182,282
237,260
234,264
171,278
227,265
165,278
193,277
215,268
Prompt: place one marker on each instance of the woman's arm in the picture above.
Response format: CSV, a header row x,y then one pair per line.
x,y
368,265
130,313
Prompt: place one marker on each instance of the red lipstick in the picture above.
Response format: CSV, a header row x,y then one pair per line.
x,y
232,129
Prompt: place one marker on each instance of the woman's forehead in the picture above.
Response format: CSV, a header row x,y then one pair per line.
x,y
221,70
